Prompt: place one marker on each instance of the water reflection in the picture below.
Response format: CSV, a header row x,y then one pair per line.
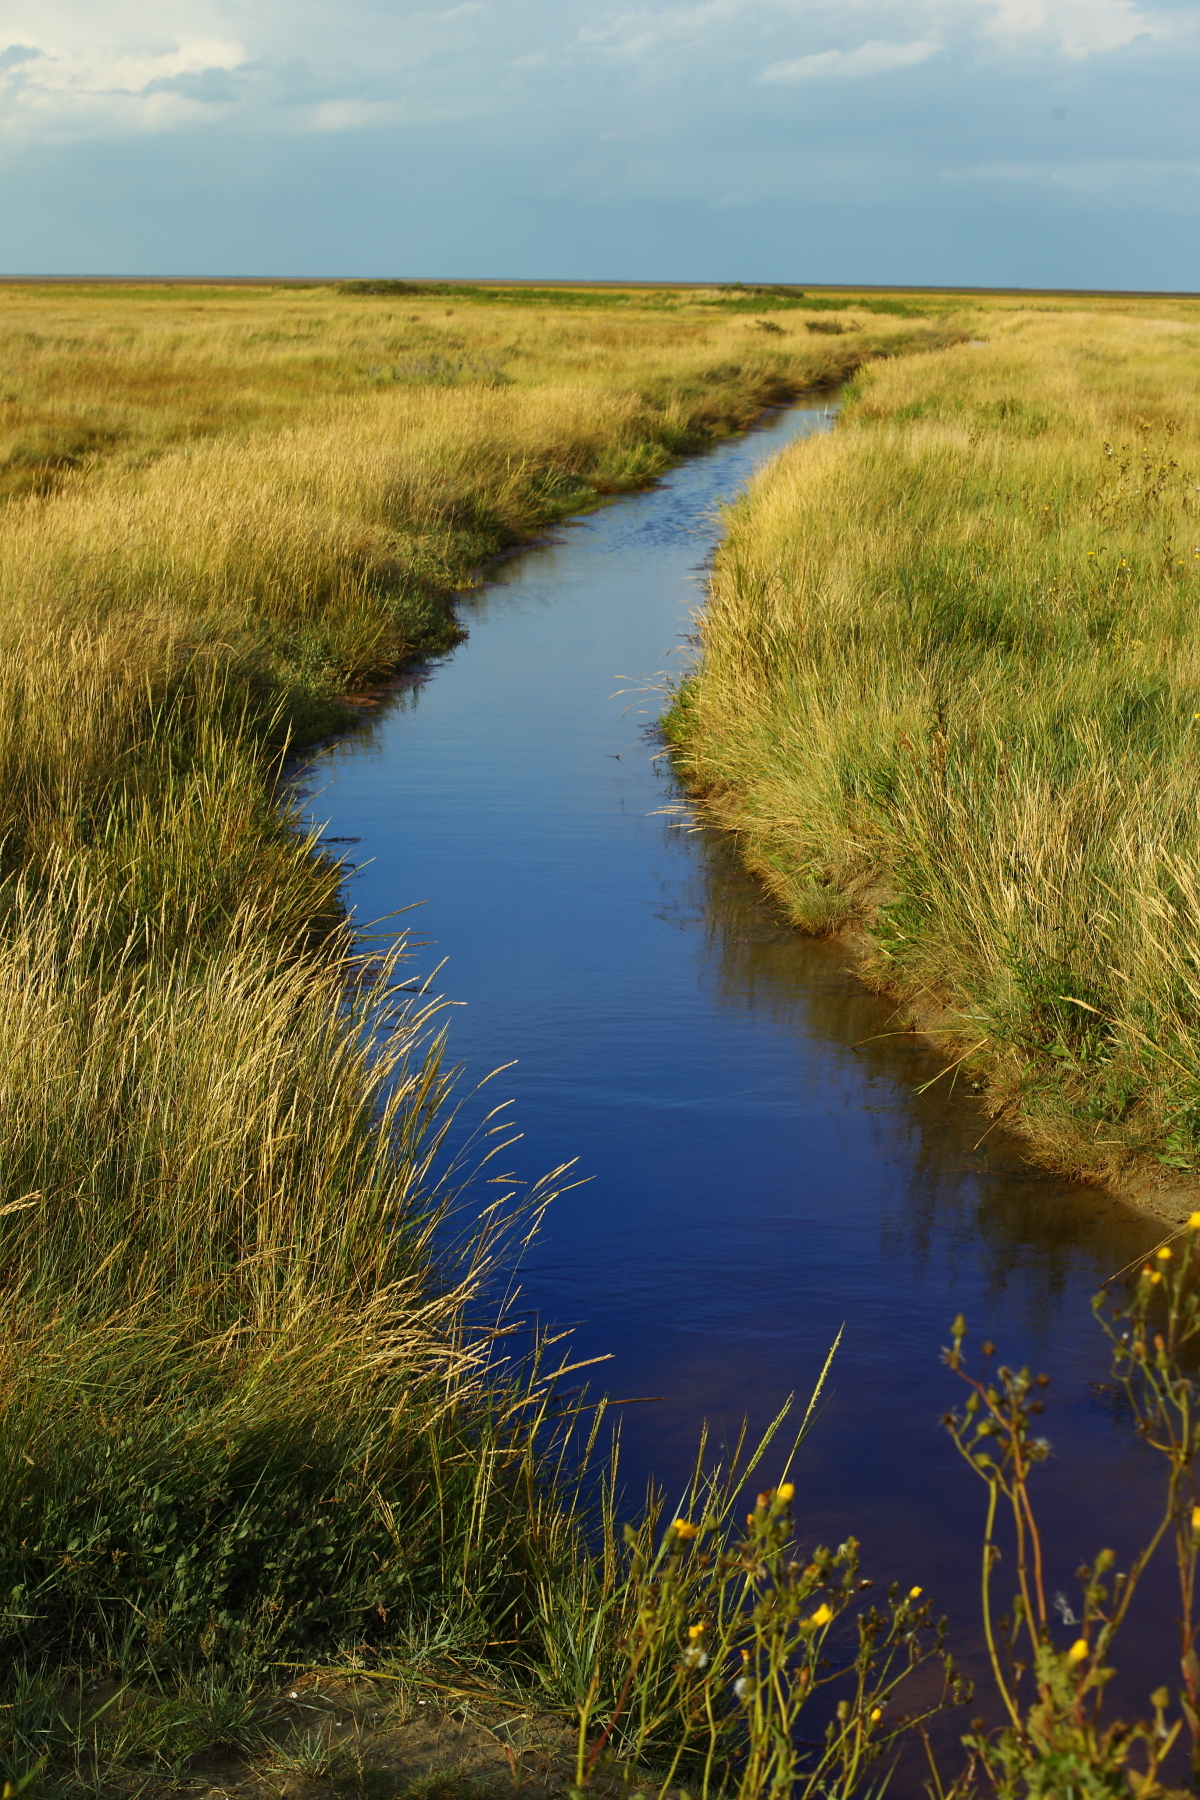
x,y
1017,1220
759,1166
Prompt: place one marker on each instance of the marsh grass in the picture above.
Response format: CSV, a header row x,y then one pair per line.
x,y
948,689
259,1405
258,1400
715,1640
291,485
254,1403
243,1413
755,1666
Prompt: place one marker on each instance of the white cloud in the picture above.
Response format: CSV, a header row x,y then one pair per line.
x,y
83,69
56,89
1077,28
75,69
715,24
873,58
354,115
760,138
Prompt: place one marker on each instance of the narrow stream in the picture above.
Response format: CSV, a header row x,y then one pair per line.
x,y
757,1167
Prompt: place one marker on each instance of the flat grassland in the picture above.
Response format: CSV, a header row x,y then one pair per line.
x,y
244,1413
948,694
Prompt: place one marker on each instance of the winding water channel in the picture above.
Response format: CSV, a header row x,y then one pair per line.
x,y
758,1168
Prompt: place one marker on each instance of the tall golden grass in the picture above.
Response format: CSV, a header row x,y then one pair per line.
x,y
257,1400
296,482
253,1402
949,693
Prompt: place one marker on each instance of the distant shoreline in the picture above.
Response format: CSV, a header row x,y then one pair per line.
x,y
815,287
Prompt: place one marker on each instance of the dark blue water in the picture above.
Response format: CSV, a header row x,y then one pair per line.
x,y
758,1169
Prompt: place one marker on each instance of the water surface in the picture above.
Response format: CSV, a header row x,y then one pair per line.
x,y
758,1167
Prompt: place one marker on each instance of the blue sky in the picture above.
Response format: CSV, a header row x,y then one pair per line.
x,y
1016,142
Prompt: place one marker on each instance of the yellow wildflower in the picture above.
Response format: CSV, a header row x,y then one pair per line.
x,y
915,1593
822,1615
1156,1275
1165,1254
785,1490
695,1631
682,1529
876,1714
1194,1221
1196,1519
1077,1652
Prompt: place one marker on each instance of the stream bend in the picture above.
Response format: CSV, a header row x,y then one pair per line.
x,y
758,1166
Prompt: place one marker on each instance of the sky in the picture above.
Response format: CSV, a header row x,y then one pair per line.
x,y
1042,143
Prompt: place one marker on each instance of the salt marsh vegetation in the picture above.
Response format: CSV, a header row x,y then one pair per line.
x,y
255,1401
948,696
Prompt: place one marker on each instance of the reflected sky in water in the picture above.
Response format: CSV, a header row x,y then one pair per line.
x,y
757,1167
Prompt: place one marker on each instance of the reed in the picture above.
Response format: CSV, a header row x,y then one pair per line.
x,y
241,1407
948,695
258,1398
293,486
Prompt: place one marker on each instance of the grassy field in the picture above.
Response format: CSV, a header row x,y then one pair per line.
x,y
247,1413
291,483
949,697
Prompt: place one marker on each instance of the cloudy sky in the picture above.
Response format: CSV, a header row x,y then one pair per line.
x,y
1022,142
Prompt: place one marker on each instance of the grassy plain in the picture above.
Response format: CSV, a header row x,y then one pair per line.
x,y
948,694
247,1414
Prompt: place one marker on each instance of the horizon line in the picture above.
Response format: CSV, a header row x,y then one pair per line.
x,y
863,287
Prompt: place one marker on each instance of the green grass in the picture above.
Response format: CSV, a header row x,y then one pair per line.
x,y
254,1398
731,297
948,692
256,1403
